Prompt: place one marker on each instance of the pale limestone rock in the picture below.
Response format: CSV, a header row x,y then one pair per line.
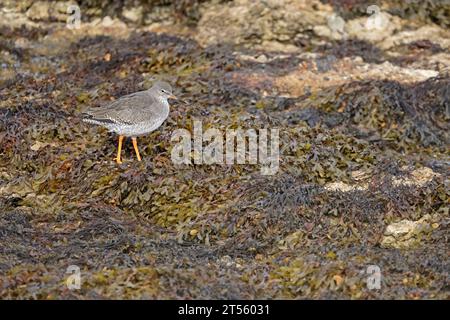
x,y
406,234
134,14
434,34
269,24
373,30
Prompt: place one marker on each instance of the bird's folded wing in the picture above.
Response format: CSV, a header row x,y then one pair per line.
x,y
127,110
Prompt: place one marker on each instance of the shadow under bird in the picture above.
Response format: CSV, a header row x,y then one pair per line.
x,y
133,115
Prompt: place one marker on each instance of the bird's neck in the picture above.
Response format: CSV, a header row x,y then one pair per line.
x,y
165,103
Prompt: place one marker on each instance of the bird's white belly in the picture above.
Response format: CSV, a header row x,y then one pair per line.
x,y
136,129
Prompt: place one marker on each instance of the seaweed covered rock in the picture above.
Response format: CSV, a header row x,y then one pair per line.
x,y
435,11
363,145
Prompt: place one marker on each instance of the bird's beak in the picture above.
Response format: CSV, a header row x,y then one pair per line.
x,y
173,97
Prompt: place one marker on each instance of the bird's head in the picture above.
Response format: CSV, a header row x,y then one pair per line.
x,y
163,89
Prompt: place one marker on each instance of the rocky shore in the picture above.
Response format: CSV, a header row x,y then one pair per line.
x,y
362,100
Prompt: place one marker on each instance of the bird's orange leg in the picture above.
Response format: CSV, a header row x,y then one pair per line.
x,y
136,148
119,150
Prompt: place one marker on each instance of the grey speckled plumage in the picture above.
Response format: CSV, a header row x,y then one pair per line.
x,y
134,114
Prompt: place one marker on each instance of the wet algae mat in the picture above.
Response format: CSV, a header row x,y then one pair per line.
x,y
352,159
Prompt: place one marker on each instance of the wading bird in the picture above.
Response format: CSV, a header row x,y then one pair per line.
x,y
133,115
